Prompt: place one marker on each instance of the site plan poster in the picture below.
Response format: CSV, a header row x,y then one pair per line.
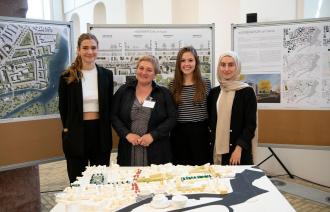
x,y
287,64
32,57
121,47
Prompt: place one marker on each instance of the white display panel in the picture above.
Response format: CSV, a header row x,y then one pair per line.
x,y
288,63
120,46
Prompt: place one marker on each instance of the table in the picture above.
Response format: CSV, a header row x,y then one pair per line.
x,y
249,190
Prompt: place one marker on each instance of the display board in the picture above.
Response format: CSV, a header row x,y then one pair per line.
x,y
33,54
120,46
288,65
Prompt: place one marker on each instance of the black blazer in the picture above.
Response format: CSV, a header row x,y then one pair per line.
x,y
243,121
162,120
71,111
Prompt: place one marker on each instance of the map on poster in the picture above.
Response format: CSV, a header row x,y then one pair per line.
x,y
32,57
298,53
121,46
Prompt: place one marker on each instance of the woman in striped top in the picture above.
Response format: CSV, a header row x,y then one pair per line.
x,y
190,137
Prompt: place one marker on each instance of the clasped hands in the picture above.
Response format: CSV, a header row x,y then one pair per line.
x,y
135,139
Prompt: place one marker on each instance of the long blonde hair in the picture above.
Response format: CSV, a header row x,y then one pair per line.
x,y
74,70
199,84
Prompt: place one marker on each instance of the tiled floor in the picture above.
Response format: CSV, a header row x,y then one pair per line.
x,y
53,179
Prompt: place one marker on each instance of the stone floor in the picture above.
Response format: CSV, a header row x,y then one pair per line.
x,y
53,179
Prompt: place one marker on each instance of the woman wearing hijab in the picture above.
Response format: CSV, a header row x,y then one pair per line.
x,y
232,109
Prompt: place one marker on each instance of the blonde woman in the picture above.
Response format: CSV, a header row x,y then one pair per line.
x,y
232,108
143,116
85,95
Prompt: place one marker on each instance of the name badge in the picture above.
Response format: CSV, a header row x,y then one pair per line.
x,y
149,104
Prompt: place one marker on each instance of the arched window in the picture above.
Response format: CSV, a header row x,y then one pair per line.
x,y
100,16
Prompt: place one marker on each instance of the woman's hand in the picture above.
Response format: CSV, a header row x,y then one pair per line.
x,y
133,138
235,158
146,140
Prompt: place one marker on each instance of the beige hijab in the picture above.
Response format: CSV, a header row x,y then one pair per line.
x,y
224,106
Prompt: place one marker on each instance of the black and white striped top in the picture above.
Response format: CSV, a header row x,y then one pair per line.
x,y
188,111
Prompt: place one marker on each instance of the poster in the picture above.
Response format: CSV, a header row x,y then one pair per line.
x,y
297,53
32,56
121,46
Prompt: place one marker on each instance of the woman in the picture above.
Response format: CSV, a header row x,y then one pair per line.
x,y
190,137
232,110
143,116
85,95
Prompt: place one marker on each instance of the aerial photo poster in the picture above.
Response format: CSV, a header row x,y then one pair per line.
x,y
32,57
287,64
121,46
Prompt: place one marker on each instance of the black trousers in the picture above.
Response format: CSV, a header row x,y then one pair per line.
x,y
93,155
190,143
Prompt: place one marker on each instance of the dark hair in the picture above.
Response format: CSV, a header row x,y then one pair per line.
x,y
197,77
74,70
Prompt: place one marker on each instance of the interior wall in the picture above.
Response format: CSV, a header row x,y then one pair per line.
x,y
57,10
268,10
222,13
85,14
36,11
185,11
68,6
308,164
134,11
157,12
115,12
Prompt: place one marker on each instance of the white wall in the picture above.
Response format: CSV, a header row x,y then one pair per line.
x,y
157,12
268,10
68,6
38,9
188,15
222,13
134,11
85,14
57,10
115,12
312,165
